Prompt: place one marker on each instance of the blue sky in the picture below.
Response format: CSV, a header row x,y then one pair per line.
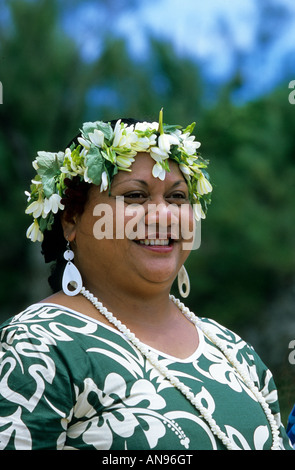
x,y
192,26
212,32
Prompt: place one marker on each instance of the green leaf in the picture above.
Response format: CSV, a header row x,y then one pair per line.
x,y
111,170
46,224
189,128
95,163
160,129
48,168
168,129
106,128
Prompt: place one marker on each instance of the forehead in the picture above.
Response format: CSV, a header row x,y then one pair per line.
x,y
141,169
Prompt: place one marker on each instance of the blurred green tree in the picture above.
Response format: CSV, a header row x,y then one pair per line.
x,y
246,259
43,90
48,92
248,240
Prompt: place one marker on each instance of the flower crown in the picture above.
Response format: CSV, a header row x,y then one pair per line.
x,y
103,151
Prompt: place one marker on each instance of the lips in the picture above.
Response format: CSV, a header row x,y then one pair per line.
x,y
157,243
154,242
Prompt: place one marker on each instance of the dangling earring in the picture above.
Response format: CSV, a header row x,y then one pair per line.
x,y
71,276
183,281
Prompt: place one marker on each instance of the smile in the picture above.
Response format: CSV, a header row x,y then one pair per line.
x,y
154,242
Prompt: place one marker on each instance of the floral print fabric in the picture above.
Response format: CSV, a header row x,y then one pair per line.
x,y
70,382
291,427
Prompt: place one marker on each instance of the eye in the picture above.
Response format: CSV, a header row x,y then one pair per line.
x,y
135,196
179,196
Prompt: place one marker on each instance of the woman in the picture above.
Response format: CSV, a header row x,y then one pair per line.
x,y
113,361
291,427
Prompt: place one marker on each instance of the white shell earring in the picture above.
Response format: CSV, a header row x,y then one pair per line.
x,y
183,282
71,280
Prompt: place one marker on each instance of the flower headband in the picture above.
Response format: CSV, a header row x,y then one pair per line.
x,y
103,151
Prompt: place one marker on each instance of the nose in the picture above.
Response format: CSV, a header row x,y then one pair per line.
x,y
162,219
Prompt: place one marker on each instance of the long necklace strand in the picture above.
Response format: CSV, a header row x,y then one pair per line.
x,y
151,357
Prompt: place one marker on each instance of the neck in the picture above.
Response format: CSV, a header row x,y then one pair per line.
x,y
151,306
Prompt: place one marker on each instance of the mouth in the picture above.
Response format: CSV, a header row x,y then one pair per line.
x,y
156,244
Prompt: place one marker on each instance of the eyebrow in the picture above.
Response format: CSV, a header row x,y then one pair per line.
x,y
144,183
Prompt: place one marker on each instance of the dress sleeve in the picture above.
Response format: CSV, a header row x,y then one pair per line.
x,y
265,382
35,401
291,427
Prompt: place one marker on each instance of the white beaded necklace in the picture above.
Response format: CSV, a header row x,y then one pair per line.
x,y
151,357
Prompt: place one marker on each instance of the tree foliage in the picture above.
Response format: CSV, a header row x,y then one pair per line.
x,y
246,260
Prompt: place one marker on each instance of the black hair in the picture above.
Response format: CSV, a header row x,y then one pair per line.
x,y
54,243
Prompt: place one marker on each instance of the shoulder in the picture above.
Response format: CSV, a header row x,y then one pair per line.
x,y
36,312
44,320
239,348
221,332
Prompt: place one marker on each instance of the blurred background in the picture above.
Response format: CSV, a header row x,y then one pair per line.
x,y
226,65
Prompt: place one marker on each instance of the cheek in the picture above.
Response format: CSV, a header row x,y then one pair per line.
x,y
183,220
108,220
112,221
188,227
128,220
134,221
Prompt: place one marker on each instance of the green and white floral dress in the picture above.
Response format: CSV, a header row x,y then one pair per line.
x,y
70,382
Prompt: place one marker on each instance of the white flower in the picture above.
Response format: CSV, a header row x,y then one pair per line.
x,y
70,165
83,152
124,161
157,154
189,144
162,151
73,166
126,142
143,126
166,140
164,143
158,171
185,169
34,233
35,165
36,207
86,177
52,204
36,182
97,137
28,196
68,154
119,139
203,185
142,144
177,133
191,161
198,211
152,140
104,182
84,143
42,207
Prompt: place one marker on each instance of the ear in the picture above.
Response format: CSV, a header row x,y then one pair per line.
x,y
69,225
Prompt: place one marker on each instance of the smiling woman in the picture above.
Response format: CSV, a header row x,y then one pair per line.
x,y
146,264
112,360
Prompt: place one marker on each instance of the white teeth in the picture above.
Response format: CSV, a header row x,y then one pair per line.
x,y
154,242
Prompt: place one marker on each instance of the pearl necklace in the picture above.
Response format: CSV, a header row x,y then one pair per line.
x,y
151,357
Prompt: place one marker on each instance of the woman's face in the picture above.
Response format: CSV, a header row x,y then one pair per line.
x,y
136,236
